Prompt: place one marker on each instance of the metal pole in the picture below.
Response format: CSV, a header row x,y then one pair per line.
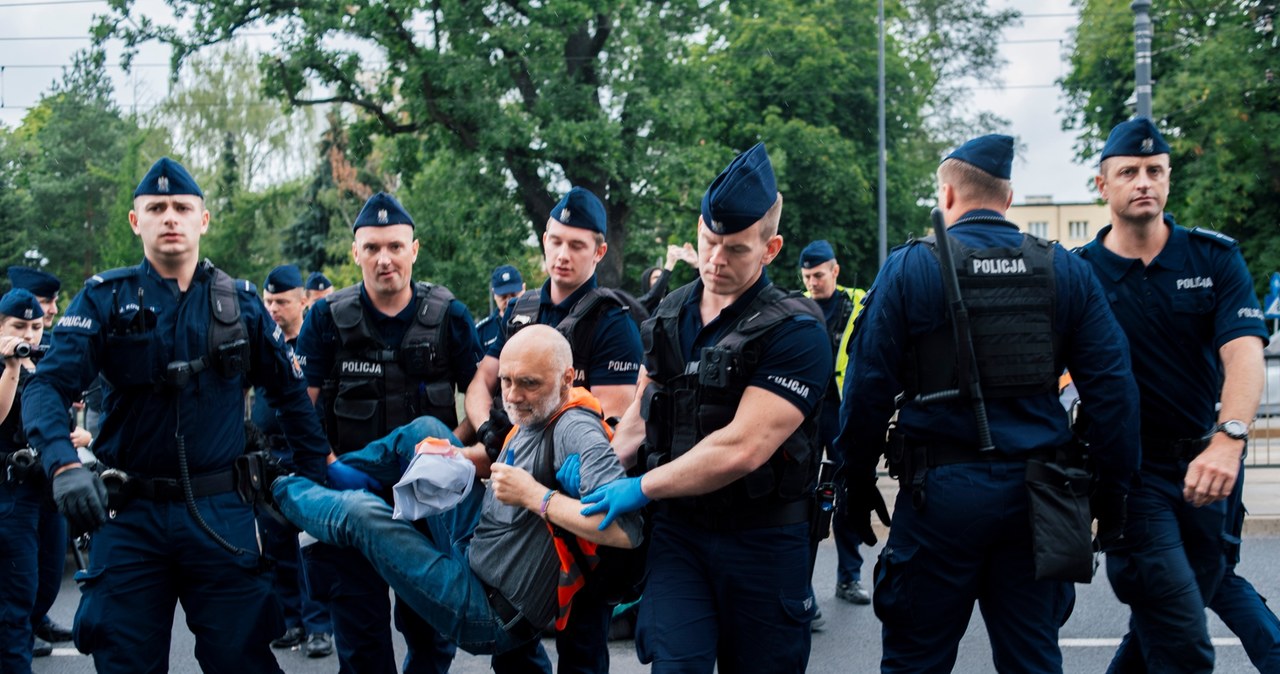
x,y
1142,55
883,207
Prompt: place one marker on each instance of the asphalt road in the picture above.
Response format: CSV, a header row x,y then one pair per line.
x,y
849,644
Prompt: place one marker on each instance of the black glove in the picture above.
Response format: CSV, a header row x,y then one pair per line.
x,y
82,497
862,499
1111,509
493,433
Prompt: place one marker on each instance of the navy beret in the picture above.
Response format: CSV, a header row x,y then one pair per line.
x,y
40,283
993,153
506,280
167,178
816,253
318,281
20,303
1135,138
381,210
741,194
282,278
580,208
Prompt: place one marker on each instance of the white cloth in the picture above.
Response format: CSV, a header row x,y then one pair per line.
x,y
437,479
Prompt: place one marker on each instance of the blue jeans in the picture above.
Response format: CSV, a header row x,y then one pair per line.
x,y
739,600
971,542
1167,570
19,521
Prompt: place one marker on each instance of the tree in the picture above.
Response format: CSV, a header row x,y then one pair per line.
x,y
1215,99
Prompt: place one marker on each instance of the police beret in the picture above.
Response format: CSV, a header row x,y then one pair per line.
x,y
816,253
506,280
741,194
40,283
318,281
580,208
20,303
993,153
1135,138
167,178
381,210
282,278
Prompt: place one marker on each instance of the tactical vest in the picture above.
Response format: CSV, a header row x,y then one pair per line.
x,y
135,361
1011,299
689,400
579,326
374,388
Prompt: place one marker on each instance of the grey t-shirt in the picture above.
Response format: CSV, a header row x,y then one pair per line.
x,y
512,549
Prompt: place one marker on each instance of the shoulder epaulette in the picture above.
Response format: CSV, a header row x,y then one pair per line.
x,y
111,275
1217,237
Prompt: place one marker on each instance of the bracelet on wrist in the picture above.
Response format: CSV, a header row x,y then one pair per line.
x,y
546,500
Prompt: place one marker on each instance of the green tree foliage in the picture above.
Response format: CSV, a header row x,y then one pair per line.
x,y
1216,99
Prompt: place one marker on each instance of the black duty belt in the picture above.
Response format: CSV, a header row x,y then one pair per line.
x,y
946,455
513,621
170,489
1183,449
773,515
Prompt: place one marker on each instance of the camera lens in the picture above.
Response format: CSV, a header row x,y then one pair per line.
x,y
22,350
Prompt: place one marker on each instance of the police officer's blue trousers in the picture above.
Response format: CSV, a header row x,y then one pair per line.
x,y
280,543
970,542
737,600
52,559
1167,570
19,519
151,555
1238,603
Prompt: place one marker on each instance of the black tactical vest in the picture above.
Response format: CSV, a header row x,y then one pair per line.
x,y
1011,299
688,401
579,326
374,388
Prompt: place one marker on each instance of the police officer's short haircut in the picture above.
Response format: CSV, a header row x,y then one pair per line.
x,y
972,183
769,222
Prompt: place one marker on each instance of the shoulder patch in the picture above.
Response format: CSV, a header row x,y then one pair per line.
x,y
111,275
1217,237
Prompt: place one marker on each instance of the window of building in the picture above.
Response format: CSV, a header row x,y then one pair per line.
x,y
1040,229
1078,229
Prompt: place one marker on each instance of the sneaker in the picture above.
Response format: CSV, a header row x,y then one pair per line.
x,y
853,593
41,648
319,645
291,637
819,623
52,632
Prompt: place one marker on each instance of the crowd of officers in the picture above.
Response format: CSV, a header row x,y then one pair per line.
x,y
721,406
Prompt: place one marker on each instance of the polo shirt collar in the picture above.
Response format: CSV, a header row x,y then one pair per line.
x,y
1173,256
573,297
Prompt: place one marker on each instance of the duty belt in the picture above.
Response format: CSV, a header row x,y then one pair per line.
x,y
946,455
770,515
1183,449
514,623
170,489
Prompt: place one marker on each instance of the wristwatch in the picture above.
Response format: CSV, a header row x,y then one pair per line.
x,y
1234,429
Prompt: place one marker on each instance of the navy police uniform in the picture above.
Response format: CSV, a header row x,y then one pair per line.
x,y
1195,296
729,570
22,494
368,388
961,533
143,332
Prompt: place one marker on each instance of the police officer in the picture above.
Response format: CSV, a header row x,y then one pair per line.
x,y
735,369
378,355
175,337
306,620
505,284
53,528
606,351
1185,300
318,285
22,484
961,527
840,306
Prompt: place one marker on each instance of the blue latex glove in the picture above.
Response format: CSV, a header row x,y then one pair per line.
x,y
615,499
342,476
570,475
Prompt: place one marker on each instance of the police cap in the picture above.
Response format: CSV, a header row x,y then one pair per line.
x,y
167,178
993,153
282,278
741,194
582,209
816,253
318,281
505,280
39,283
382,210
1134,138
20,303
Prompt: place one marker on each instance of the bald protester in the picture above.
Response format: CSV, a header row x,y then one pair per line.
x,y
486,572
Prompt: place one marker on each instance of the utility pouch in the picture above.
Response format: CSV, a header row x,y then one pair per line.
x,y
1061,533
232,358
249,473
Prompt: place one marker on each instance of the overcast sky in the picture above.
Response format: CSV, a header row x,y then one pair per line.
x,y
1035,52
